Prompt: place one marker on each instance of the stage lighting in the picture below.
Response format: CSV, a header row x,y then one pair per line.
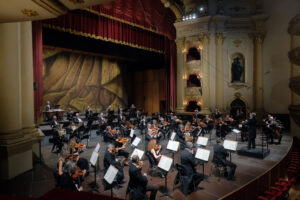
x,y
194,16
201,9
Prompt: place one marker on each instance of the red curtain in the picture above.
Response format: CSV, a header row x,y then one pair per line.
x,y
37,45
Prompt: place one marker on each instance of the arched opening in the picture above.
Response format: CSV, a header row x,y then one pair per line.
x,y
193,80
192,106
193,54
237,105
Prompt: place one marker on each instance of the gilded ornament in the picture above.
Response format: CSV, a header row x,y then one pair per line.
x,y
29,13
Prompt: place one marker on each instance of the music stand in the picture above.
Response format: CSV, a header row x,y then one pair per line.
x,y
110,176
202,141
173,146
203,156
231,146
95,164
237,132
165,163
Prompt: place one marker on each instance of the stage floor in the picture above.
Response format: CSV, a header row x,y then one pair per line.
x,y
40,180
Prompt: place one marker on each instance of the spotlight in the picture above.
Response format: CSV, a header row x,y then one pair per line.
x,y
201,9
190,17
194,16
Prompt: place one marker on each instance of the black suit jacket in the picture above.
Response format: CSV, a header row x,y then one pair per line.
x,y
188,162
54,123
220,153
252,127
109,159
137,182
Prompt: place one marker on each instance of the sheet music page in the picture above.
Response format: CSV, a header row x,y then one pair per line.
x,y
136,141
94,158
165,163
236,130
137,152
173,136
97,148
173,145
202,154
230,145
131,133
202,141
110,174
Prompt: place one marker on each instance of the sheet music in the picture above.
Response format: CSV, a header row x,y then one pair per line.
x,y
165,163
94,158
173,145
173,136
136,141
202,141
202,154
131,133
236,130
110,174
230,145
97,148
138,152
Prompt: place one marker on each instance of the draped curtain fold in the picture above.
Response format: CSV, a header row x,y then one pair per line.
x,y
144,24
37,48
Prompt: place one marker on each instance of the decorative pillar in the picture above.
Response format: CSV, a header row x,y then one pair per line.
x,y
258,74
180,83
205,76
16,110
27,78
219,71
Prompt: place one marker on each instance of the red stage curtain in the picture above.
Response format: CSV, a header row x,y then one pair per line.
x,y
37,46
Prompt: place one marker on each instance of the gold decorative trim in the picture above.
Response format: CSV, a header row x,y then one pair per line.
x,y
219,38
77,1
122,21
100,38
29,13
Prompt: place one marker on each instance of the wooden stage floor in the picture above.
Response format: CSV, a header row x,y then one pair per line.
x,y
40,179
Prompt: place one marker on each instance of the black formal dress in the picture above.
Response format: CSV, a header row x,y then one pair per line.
x,y
192,177
138,183
110,159
220,155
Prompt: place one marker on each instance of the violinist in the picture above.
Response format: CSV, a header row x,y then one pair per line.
x,y
110,159
217,114
138,182
57,140
143,122
120,145
110,134
149,136
154,151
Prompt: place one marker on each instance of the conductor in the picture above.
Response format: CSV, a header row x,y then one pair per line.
x,y
251,130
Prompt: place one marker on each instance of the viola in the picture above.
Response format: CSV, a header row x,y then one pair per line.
x,y
202,124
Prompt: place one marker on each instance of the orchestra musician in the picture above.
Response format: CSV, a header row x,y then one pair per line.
x,y
138,182
217,114
220,155
148,135
180,135
110,159
88,113
272,129
189,163
57,140
154,150
70,114
77,120
47,106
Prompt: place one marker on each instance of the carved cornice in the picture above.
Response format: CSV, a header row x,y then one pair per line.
x,y
295,84
237,86
29,12
294,56
257,37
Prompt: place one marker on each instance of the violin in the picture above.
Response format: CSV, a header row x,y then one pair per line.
x,y
130,125
113,131
157,147
80,146
202,124
77,173
122,140
71,158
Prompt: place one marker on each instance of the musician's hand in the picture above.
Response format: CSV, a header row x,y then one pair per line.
x,y
80,188
145,174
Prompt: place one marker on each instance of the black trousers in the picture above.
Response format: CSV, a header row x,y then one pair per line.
x,y
251,142
153,191
232,167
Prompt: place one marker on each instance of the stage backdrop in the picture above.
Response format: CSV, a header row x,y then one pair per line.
x,y
78,80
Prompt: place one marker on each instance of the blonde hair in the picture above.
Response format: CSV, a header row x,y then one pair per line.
x,y
151,145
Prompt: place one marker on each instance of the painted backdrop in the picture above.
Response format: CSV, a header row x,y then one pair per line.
x,y
77,80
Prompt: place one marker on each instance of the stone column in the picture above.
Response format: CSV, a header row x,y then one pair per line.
x,y
15,60
258,74
219,71
27,78
180,84
205,76
10,82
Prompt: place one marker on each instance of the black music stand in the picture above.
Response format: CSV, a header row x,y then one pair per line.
x,y
164,190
